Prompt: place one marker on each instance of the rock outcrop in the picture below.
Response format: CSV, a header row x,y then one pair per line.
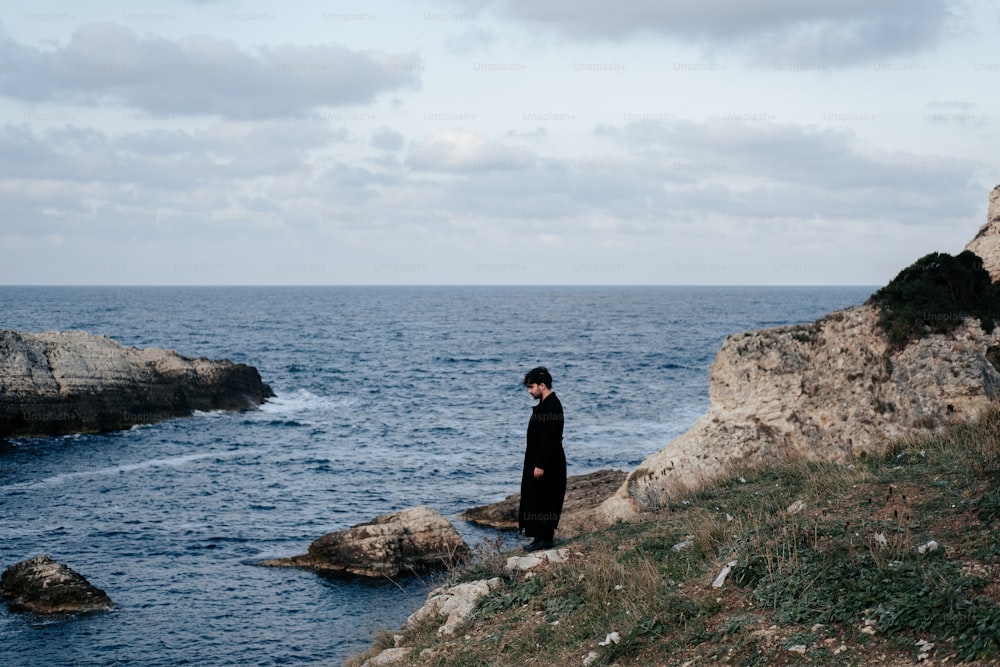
x,y
454,604
42,586
583,494
74,382
406,541
823,391
986,244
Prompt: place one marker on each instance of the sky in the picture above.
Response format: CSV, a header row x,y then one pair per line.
x,y
492,142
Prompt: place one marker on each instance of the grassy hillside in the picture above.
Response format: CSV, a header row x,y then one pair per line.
x,y
829,571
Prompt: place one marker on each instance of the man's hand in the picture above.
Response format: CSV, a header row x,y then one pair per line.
x,y
538,473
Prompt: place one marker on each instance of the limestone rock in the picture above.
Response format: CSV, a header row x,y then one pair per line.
x,y
42,586
583,493
390,656
987,241
75,382
409,540
533,560
824,391
454,603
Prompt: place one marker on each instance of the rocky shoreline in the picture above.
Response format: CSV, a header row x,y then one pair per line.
x,y
417,539
61,383
826,391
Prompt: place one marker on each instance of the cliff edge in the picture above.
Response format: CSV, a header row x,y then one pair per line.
x,y
986,244
59,383
829,390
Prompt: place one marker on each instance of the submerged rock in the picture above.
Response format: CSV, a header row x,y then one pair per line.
x,y
409,540
42,586
75,382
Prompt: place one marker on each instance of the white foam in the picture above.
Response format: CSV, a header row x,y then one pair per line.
x,y
303,401
55,480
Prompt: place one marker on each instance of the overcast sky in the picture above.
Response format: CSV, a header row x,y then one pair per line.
x,y
703,142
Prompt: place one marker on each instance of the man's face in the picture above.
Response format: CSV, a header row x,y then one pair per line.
x,y
535,390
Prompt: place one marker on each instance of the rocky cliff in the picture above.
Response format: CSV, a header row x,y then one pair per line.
x,y
987,241
827,390
74,382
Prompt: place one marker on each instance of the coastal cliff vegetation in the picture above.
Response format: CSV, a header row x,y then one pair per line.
x,y
886,560
934,295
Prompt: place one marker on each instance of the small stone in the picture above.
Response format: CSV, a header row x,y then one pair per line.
x,y
930,546
611,638
687,542
390,656
720,579
523,563
797,648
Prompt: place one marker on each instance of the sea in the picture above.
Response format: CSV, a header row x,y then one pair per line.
x,y
386,398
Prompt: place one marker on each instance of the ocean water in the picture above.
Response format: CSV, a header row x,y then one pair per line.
x,y
387,398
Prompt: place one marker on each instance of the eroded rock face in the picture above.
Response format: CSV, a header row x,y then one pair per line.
x,y
987,241
42,586
74,382
409,540
824,391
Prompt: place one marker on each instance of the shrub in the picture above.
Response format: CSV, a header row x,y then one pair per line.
x,y
934,295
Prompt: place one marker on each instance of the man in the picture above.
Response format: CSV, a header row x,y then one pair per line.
x,y
543,480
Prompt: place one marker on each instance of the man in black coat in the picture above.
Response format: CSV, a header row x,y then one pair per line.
x,y
543,480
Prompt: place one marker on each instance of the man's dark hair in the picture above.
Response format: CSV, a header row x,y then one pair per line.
x,y
538,375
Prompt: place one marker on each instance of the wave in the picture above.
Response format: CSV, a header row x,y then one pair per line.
x,y
303,401
171,462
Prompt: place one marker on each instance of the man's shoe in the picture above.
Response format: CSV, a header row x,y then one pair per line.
x,y
539,545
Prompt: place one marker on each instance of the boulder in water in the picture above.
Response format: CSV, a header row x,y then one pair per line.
x,y
42,586
406,541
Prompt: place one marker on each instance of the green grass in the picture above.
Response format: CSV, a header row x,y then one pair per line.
x,y
842,577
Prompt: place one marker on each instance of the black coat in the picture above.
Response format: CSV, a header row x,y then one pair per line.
x,y
542,499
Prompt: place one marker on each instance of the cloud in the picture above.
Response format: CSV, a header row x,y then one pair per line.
x,y
470,40
680,192
388,140
660,176
229,177
831,32
459,151
760,168
105,62
954,112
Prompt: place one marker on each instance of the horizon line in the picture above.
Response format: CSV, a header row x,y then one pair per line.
x,y
435,285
